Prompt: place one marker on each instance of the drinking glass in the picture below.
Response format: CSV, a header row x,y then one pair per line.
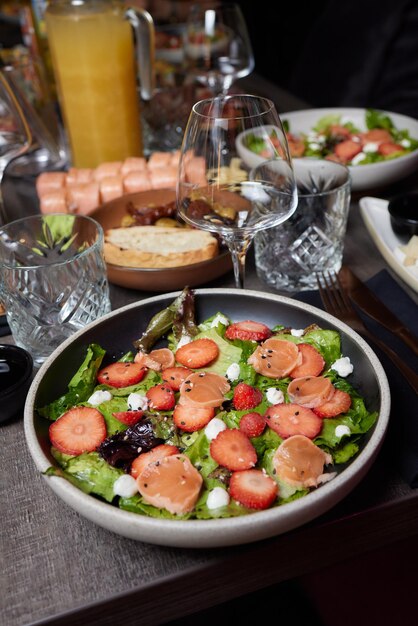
x,y
214,191
216,45
15,134
52,279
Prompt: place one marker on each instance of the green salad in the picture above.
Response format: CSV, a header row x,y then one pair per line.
x,y
227,418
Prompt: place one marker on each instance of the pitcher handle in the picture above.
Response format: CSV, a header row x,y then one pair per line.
x,y
143,26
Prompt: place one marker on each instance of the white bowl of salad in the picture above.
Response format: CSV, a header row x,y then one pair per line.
x,y
378,147
198,455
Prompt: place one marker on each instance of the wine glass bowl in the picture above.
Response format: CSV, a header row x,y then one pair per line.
x,y
216,191
216,46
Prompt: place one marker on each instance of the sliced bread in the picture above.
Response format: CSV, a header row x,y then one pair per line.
x,y
157,247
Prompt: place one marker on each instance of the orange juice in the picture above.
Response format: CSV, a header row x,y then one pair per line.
x,y
94,64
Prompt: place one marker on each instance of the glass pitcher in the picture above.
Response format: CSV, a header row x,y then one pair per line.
x,y
95,65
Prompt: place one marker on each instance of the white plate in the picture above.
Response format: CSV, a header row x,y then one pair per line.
x,y
367,176
117,331
375,214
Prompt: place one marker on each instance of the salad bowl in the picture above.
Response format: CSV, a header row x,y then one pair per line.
x,y
116,333
368,175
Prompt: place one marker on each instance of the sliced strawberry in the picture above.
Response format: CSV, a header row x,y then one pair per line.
x,y
347,150
175,376
389,147
81,429
128,417
312,362
248,331
233,450
161,397
339,403
246,397
121,374
252,424
292,419
190,418
310,391
197,353
147,362
155,454
253,489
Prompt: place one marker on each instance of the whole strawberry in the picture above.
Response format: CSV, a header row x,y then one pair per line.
x,y
246,397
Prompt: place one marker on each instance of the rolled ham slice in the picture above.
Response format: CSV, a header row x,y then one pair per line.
x,y
163,177
50,181
133,164
111,187
83,197
158,160
79,175
137,181
54,202
111,168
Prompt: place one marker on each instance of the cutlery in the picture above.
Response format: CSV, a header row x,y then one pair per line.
x,y
336,302
370,304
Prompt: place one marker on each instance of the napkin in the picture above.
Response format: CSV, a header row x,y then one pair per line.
x,y
401,444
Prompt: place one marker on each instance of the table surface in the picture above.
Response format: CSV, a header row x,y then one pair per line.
x,y
57,566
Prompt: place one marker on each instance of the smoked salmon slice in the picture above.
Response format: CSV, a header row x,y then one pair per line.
x,y
204,389
310,391
293,419
275,358
171,483
300,463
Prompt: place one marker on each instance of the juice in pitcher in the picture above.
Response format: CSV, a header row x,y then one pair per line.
x,y
94,63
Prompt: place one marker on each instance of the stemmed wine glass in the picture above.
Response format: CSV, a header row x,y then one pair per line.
x,y
216,46
15,133
215,191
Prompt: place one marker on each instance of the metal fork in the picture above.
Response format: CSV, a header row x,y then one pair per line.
x,y
336,302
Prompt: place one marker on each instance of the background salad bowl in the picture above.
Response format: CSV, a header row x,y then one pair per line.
x,y
366,176
117,331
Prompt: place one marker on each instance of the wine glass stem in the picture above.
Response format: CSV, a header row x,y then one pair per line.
x,y
238,249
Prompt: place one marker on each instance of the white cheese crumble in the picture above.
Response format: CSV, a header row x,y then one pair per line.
x,y
217,497
214,427
297,332
183,340
342,430
372,146
405,143
314,145
233,371
274,396
219,319
358,158
136,402
125,486
343,366
99,396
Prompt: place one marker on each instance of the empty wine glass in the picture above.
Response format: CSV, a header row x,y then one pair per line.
x,y
15,133
214,190
216,46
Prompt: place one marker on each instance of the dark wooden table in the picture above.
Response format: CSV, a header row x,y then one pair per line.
x,y
57,567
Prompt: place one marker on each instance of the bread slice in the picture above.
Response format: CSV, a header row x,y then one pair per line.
x,y
158,247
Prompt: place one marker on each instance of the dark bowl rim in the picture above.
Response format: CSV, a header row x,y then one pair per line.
x,y
24,358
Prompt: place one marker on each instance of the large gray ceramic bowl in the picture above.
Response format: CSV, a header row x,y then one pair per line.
x,y
116,332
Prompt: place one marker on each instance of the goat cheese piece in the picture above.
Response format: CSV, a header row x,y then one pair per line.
x,y
183,340
99,396
371,147
233,371
274,396
136,402
343,366
342,430
405,143
358,158
219,319
214,427
217,497
125,486
297,332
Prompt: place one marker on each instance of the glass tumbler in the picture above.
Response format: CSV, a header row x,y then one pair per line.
x,y
312,240
53,279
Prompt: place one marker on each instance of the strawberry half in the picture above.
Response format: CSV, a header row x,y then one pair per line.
x,y
121,374
197,353
175,376
81,429
292,419
253,489
161,397
248,331
233,450
246,397
190,418
312,362
339,403
252,424
155,454
128,417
